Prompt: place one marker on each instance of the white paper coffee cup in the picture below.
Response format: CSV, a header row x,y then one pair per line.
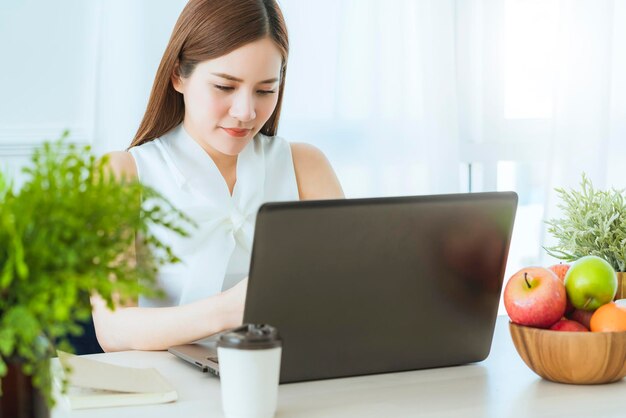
x,y
249,362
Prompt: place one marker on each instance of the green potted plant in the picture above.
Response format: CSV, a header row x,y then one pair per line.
x,y
67,232
593,223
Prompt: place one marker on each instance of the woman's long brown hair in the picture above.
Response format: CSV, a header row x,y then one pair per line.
x,y
207,29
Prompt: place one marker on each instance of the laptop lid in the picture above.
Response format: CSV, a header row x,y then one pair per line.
x,y
363,286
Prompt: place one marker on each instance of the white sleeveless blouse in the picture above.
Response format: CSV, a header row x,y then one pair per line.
x,y
217,252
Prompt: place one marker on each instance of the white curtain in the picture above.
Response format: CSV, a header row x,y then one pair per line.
x,y
373,83
401,95
588,77
589,120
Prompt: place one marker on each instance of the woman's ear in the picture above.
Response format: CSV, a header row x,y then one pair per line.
x,y
177,80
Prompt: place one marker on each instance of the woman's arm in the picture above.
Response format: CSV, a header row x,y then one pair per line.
x,y
314,174
133,328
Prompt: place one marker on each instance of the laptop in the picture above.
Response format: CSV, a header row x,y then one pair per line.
x,y
377,285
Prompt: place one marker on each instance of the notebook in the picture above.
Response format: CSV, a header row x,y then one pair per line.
x,y
94,384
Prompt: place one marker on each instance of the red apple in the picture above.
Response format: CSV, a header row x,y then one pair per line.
x,y
535,296
568,325
560,270
581,316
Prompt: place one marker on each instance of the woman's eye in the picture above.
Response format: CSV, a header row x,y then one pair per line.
x,y
223,88
228,88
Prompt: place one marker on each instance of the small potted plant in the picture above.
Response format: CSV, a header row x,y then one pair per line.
x,y
67,232
593,223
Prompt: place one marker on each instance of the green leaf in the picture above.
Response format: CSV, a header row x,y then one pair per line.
x,y
67,232
594,223
7,340
3,369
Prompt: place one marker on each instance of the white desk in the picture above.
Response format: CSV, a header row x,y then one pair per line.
x,y
501,386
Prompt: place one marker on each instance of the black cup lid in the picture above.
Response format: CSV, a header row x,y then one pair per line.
x,y
250,337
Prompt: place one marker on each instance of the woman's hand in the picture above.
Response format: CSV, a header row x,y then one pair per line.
x,y
134,328
235,300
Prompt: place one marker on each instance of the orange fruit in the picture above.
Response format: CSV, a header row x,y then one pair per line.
x,y
608,318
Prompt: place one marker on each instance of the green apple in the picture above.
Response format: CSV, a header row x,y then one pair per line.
x,y
590,283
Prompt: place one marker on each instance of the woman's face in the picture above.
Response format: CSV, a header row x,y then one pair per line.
x,y
229,99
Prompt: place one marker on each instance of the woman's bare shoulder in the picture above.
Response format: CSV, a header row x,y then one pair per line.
x,y
122,164
314,174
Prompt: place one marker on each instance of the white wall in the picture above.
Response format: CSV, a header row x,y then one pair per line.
x,y
86,66
47,74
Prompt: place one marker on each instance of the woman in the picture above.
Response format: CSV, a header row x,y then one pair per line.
x,y
207,143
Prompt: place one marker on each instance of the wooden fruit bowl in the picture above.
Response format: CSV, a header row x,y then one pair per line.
x,y
583,358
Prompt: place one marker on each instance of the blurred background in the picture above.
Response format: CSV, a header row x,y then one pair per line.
x,y
404,97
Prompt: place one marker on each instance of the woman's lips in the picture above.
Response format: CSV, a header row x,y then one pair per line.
x,y
238,133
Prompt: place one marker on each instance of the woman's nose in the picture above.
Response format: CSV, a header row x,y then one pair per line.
x,y
243,107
